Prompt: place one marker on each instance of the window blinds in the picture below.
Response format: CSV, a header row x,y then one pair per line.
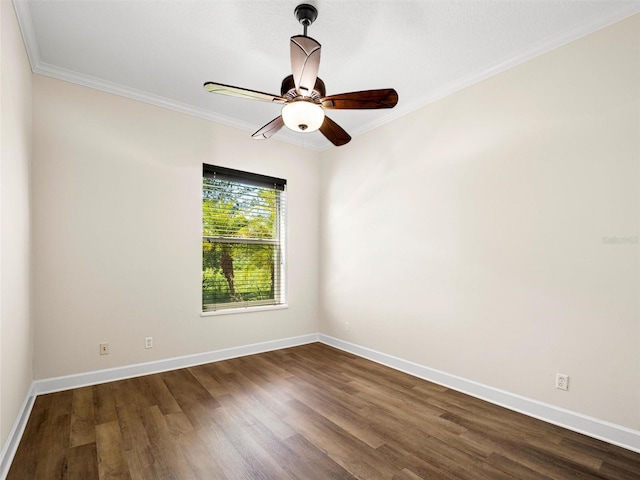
x,y
243,239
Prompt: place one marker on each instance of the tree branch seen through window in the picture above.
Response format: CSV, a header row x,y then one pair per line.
x,y
242,242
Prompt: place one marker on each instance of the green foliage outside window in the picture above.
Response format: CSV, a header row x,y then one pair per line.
x,y
240,249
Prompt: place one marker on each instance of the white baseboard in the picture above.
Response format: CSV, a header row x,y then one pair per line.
x,y
592,427
49,385
67,382
13,440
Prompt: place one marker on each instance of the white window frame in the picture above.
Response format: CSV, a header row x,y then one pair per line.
x,y
280,269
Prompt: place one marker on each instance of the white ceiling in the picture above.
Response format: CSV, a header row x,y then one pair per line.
x,y
162,51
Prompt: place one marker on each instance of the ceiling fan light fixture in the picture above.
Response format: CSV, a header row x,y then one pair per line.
x,y
303,93
303,116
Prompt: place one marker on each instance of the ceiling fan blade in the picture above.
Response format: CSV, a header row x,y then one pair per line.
x,y
334,132
367,99
305,62
232,91
269,129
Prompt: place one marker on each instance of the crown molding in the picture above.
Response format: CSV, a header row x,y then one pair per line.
x,y
545,46
42,68
402,109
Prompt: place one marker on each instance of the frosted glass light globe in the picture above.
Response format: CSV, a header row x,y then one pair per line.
x,y
303,116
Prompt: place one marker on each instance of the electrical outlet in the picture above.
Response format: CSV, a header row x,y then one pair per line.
x,y
562,381
347,327
148,342
104,348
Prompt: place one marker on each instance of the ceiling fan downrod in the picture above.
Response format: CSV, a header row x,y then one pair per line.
x,y
306,15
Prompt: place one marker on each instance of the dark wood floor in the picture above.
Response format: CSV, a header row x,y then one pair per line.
x,y
310,412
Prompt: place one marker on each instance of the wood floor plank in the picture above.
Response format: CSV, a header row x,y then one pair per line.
x,y
401,407
134,442
352,454
169,462
616,472
309,412
516,469
530,451
130,393
406,474
250,398
104,404
159,394
112,464
187,391
186,439
273,449
52,458
204,462
403,460
234,456
238,431
272,394
611,456
340,414
82,418
60,403
83,463
456,458
313,462
215,383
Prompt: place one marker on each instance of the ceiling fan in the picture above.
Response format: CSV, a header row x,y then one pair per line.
x,y
303,93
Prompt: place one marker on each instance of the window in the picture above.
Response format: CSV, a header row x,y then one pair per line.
x,y
243,239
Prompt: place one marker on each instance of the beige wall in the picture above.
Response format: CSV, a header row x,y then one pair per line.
x,y
117,231
15,156
468,236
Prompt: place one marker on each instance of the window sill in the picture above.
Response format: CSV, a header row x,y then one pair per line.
x,y
231,311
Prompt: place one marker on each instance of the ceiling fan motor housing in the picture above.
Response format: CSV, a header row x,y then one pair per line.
x,y
288,89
